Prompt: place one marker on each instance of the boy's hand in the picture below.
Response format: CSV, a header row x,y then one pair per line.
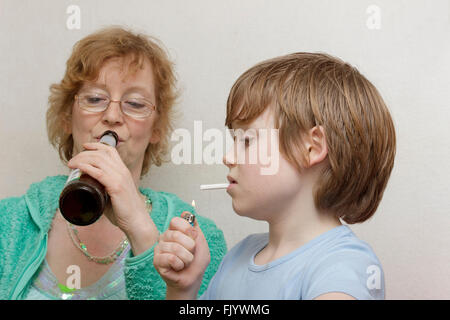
x,y
181,258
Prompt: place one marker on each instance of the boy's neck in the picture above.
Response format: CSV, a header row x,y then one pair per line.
x,y
297,230
294,225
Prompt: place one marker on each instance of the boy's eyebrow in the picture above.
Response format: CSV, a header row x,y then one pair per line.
x,y
239,125
246,128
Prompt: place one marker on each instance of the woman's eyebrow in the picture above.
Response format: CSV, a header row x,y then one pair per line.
x,y
94,86
139,89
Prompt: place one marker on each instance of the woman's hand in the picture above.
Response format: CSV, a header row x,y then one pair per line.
x,y
129,213
181,258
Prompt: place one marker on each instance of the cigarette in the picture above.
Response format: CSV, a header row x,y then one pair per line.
x,y
214,186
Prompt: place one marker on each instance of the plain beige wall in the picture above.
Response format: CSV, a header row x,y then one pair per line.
x,y
403,48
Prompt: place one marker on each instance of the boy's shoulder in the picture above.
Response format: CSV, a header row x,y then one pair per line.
x,y
337,244
345,264
347,246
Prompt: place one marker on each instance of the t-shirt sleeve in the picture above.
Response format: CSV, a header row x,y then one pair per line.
x,y
222,277
209,293
352,272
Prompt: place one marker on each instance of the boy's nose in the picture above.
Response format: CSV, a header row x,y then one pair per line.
x,y
229,159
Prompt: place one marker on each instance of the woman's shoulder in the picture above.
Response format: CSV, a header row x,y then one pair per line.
x,y
11,204
40,189
37,195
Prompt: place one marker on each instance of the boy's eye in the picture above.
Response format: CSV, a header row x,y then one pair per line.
x,y
243,140
246,141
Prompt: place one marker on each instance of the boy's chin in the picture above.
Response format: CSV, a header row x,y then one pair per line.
x,y
246,210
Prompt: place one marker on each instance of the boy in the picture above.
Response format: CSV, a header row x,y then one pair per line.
x,y
336,153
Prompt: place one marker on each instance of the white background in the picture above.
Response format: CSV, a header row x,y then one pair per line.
x,y
212,43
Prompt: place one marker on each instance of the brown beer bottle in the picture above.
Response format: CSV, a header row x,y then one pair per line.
x,y
83,198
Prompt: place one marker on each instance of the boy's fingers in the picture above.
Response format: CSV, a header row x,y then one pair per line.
x,y
177,250
178,237
175,263
166,262
180,224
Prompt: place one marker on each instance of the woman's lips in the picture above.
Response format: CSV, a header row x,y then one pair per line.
x,y
97,139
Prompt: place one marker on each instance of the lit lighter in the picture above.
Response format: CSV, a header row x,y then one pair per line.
x,y
189,217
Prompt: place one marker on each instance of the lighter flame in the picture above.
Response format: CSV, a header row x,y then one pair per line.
x,y
193,203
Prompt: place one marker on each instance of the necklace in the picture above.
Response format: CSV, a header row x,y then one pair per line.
x,y
73,232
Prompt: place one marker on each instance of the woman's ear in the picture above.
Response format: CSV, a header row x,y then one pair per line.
x,y
67,126
317,145
156,135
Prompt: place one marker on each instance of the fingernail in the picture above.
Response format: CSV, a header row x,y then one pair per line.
x,y
183,213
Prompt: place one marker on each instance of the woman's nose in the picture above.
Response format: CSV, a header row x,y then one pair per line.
x,y
113,114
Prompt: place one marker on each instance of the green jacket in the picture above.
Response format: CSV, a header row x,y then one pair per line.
x,y
26,220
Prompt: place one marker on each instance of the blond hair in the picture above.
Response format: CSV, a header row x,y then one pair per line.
x,y
87,58
314,89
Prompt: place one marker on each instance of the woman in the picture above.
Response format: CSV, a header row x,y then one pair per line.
x,y
120,81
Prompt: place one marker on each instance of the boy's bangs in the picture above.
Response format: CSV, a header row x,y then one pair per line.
x,y
247,100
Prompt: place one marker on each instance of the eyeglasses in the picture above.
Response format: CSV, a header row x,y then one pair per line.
x,y
135,107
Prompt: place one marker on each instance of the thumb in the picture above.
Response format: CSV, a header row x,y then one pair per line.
x,y
190,217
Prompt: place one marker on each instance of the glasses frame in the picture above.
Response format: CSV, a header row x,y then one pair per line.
x,y
152,107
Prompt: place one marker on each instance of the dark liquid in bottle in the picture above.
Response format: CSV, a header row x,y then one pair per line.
x,y
83,200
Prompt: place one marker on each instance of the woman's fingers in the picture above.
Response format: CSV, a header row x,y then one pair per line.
x,y
90,170
112,172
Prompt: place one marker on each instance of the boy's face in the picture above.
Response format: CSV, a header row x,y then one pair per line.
x,y
268,185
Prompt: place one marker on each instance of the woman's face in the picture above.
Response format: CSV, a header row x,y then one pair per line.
x,y
115,81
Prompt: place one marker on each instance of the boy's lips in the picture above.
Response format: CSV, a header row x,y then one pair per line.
x,y
232,182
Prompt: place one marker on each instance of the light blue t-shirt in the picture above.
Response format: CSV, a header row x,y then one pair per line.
x,y
335,261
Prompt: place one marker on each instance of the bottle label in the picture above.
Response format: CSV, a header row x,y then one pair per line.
x,y
75,174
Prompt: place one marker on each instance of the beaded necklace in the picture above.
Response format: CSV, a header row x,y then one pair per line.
x,y
73,232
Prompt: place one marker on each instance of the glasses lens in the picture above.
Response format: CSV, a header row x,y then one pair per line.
x,y
93,102
137,108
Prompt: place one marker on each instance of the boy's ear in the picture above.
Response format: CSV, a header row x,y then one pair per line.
x,y
317,145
